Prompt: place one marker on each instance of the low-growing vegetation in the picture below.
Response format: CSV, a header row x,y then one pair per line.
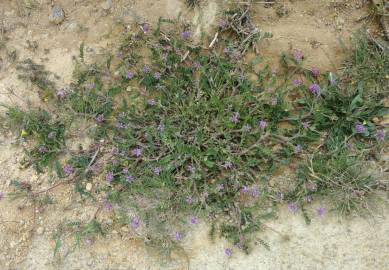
x,y
197,132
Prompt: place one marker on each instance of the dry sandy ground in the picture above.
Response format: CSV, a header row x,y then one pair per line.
x,y
312,26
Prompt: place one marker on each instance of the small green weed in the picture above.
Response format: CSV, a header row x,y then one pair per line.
x,y
38,76
48,134
342,179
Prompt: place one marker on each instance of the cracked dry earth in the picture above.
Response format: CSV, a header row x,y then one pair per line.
x,y
26,237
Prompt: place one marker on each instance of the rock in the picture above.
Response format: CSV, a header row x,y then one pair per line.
x,y
125,229
107,5
88,187
40,230
72,27
57,15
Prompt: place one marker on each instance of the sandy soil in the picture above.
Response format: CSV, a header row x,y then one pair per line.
x,y
312,26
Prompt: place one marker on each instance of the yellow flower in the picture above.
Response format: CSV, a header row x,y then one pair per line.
x,y
23,133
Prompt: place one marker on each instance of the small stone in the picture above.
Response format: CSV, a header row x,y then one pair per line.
x,y
88,187
125,229
57,15
40,230
107,5
72,27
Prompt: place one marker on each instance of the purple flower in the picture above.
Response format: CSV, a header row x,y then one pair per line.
x,y
178,236
90,86
279,196
191,168
305,125
157,170
108,206
145,28
380,135
220,187
189,199
186,34
360,128
315,72
350,146
311,186
146,69
321,211
109,177
315,88
42,149
114,151
228,252
1,195
194,220
245,189
161,127
298,55
68,169
135,223
227,165
157,75
246,127
298,148
125,170
297,82
222,24
196,65
137,152
262,124
255,192
308,198
52,135
151,102
165,56
235,117
121,125
130,178
62,94
100,118
130,75
293,207
227,50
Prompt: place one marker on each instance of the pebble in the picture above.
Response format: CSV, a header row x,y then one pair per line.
x,y
72,27
57,15
40,230
107,5
125,229
88,187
